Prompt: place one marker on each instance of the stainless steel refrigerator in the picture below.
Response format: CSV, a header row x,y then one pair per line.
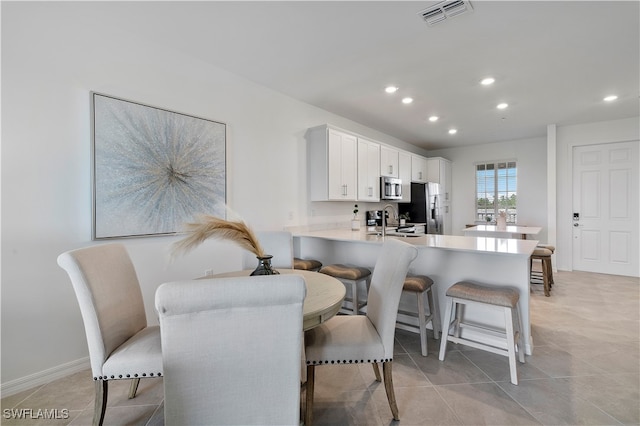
x,y
425,207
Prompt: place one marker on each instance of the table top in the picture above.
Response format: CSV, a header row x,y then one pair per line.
x,y
324,294
511,229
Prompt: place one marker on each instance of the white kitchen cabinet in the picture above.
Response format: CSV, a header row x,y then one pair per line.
x,y
332,164
447,182
389,158
368,170
418,169
436,169
404,172
439,171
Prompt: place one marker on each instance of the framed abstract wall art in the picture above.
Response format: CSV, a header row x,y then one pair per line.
x,y
153,169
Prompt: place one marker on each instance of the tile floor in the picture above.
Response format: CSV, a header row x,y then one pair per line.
x,y
585,370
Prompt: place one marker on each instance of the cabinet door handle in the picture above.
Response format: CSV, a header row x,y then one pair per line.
x,y
420,175
390,168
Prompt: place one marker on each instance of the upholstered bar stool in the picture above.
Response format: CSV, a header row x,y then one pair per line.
x,y
552,249
546,276
350,276
306,264
466,293
421,286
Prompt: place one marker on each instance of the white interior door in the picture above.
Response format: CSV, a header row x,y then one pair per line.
x,y
605,206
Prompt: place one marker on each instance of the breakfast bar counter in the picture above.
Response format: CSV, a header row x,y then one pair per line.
x,y
448,242
447,259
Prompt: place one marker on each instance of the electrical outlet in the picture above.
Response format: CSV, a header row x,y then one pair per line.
x,y
208,272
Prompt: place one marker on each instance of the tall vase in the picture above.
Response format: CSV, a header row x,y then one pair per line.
x,y
264,266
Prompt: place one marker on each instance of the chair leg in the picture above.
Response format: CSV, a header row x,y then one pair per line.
x,y
511,345
520,335
376,371
388,386
435,313
457,307
354,293
133,388
311,377
422,324
100,405
545,278
445,329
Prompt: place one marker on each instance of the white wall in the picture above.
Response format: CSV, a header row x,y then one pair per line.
x,y
53,55
531,155
568,137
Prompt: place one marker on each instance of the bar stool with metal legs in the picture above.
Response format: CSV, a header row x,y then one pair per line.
x,y
465,293
350,276
421,285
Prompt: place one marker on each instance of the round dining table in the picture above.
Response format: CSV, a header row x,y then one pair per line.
x,y
324,294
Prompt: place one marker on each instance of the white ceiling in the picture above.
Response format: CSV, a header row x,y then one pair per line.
x,y
553,61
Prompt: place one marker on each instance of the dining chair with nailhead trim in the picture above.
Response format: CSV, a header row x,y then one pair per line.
x,y
231,350
353,339
121,344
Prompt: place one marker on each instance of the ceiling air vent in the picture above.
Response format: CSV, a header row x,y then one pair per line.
x,y
444,10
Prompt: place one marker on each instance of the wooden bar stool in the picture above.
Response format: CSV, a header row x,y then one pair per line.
x,y
465,293
306,264
546,276
552,249
421,285
350,276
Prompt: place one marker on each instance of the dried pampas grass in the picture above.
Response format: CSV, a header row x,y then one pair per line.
x,y
214,227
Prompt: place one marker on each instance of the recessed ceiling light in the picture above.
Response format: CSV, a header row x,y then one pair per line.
x,y
433,118
487,81
610,98
391,89
502,105
407,100
453,131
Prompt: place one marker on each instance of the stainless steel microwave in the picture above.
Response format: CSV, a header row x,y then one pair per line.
x,y
390,188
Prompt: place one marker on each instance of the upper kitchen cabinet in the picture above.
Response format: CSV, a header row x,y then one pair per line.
x,y
389,159
418,169
332,163
368,170
439,171
404,172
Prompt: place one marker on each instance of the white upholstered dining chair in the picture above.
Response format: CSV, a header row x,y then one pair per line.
x,y
231,350
278,244
121,345
364,339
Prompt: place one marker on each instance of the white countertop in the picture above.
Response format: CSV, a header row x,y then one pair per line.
x,y
512,229
506,246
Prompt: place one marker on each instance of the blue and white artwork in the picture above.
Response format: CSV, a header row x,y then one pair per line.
x,y
154,169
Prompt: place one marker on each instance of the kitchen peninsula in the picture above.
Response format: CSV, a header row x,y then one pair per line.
x,y
447,259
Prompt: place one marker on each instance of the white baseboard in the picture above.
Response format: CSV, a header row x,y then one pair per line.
x,y
43,377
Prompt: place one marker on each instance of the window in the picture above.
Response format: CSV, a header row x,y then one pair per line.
x,y
496,191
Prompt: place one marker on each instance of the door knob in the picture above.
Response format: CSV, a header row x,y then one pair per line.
x,y
576,224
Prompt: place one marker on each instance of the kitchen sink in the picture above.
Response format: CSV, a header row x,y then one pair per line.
x,y
397,234
403,234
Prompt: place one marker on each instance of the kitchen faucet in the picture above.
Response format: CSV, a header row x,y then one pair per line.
x,y
384,216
